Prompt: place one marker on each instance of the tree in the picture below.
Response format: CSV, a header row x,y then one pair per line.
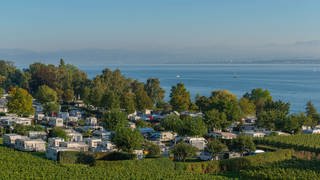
x,y
127,139
274,116
58,132
247,107
215,147
153,150
68,95
172,123
51,107
243,144
215,119
181,151
110,101
312,113
143,101
46,94
293,124
259,97
154,90
20,102
226,102
180,98
114,119
192,126
128,102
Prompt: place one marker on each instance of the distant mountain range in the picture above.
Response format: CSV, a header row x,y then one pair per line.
x,y
103,57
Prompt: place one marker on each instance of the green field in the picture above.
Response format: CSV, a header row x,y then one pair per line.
x,y
21,165
300,142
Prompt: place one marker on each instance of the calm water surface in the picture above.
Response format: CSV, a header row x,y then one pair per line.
x,y
294,83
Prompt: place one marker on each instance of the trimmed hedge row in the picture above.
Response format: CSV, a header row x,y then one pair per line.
x,y
236,164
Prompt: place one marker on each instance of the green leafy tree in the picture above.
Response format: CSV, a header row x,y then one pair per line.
x,y
180,98
214,147
46,94
259,97
247,107
182,151
294,122
226,102
172,123
312,113
68,95
127,139
215,119
153,150
20,102
114,119
192,126
58,132
110,101
51,107
128,102
154,90
243,144
143,101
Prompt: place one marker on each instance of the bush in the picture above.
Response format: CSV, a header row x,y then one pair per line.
x,y
114,156
182,151
67,157
153,150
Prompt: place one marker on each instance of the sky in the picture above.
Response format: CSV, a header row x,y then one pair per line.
x,y
210,28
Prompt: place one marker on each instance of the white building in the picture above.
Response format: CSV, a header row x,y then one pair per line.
x,y
37,134
74,136
52,152
91,121
9,139
93,142
55,142
198,142
55,122
26,144
75,145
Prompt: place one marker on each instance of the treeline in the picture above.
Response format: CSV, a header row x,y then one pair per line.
x,y
54,85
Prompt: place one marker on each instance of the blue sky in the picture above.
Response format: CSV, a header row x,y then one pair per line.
x,y
266,26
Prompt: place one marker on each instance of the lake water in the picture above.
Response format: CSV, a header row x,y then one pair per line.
x,y
294,83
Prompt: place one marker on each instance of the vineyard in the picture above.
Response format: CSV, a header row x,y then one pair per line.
x,y
300,142
291,169
21,165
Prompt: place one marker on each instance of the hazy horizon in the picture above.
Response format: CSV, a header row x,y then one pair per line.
x,y
170,31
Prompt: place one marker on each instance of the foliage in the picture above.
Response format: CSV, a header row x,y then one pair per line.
x,y
215,146
153,150
215,119
143,101
24,130
58,132
71,157
154,90
243,144
127,139
301,142
171,123
46,94
247,107
19,165
182,150
110,101
179,98
51,107
114,119
192,126
20,102
259,97
312,113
